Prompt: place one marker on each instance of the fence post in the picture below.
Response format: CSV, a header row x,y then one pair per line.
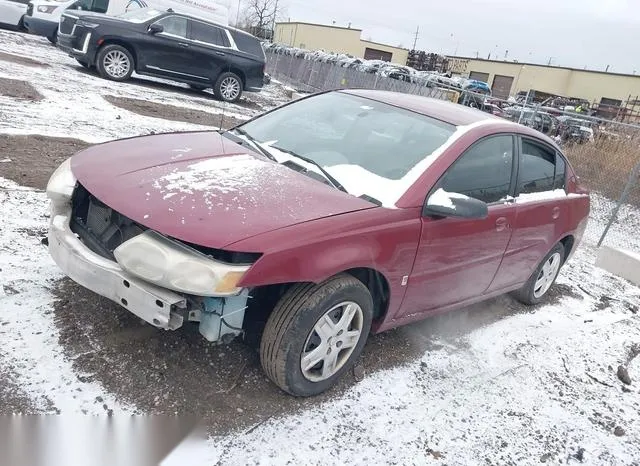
x,y
625,193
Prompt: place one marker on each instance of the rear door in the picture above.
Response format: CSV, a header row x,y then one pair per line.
x,y
542,208
210,49
458,258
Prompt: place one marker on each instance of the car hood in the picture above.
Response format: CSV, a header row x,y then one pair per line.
x,y
203,188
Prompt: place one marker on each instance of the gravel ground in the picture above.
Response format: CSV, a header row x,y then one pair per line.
x,y
495,383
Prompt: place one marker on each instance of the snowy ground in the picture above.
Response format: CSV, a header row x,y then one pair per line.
x,y
497,383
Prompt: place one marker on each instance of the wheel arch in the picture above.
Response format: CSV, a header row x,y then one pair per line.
x,y
122,43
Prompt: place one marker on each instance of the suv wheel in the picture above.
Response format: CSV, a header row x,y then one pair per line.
x,y
228,87
114,62
315,334
542,278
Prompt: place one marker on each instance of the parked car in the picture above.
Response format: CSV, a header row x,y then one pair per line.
x,y
300,232
538,120
167,45
12,12
574,130
43,17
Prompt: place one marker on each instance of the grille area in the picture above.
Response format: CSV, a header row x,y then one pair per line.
x,y
99,227
66,24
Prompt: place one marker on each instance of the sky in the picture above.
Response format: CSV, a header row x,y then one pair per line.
x,y
575,33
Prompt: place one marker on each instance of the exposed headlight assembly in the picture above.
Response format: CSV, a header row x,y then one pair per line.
x,y
173,265
61,184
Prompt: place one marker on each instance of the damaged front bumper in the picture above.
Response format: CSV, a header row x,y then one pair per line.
x,y
220,318
157,306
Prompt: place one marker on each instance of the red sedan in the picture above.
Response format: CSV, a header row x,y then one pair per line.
x,y
311,226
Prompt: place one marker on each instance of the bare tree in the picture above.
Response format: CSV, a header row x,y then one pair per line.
x,y
260,16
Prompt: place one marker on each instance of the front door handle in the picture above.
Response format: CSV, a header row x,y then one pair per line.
x,y
222,54
502,224
183,44
555,213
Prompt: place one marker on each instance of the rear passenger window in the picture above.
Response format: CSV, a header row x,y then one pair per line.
x,y
483,171
208,34
540,170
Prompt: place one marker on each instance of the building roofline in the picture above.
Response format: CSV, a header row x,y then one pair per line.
x,y
321,25
547,66
385,45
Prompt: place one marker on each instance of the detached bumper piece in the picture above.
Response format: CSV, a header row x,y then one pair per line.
x,y
160,307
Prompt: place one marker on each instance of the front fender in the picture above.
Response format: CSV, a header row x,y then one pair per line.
x,y
381,239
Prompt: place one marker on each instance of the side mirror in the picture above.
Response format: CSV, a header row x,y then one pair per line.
x,y
156,28
444,204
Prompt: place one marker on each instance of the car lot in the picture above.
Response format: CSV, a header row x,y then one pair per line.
x,y
494,383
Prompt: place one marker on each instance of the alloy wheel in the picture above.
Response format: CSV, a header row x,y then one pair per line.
x,y
547,275
230,88
332,341
116,64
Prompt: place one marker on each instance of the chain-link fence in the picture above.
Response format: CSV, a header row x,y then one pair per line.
x,y
604,153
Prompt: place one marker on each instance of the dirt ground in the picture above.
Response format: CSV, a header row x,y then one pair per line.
x,y
19,90
34,158
11,58
171,112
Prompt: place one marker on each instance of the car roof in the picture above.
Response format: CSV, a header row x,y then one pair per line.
x,y
443,110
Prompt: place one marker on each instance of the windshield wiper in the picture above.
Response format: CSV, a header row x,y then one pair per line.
x,y
254,143
326,174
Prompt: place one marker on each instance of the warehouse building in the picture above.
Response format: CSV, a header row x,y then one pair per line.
x,y
509,78
336,39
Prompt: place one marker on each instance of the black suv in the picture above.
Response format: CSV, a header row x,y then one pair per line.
x,y
168,45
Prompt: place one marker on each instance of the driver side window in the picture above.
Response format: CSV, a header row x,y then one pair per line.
x,y
174,25
483,171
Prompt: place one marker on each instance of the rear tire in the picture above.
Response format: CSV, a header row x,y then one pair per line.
x,y
541,280
115,63
315,334
228,87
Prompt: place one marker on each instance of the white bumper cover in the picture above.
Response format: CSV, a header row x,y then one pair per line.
x,y
104,277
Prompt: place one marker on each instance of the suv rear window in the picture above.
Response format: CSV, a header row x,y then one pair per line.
x,y
248,44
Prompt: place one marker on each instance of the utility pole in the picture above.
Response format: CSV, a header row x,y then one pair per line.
x,y
415,38
273,26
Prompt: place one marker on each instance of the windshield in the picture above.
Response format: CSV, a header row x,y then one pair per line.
x,y
370,147
139,16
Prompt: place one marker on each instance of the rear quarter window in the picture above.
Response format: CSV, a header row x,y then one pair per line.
x,y
248,44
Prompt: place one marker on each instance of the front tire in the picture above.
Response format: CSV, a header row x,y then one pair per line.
x,y
536,288
315,334
115,63
228,87
53,38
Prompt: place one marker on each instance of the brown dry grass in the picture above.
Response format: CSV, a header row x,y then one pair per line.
x,y
605,165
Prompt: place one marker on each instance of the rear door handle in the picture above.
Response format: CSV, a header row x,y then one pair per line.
x,y
555,213
222,54
183,44
502,224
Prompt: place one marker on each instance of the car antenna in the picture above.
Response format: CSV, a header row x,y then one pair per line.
x,y
169,10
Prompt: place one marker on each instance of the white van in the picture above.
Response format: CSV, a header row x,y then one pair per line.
x,y
43,16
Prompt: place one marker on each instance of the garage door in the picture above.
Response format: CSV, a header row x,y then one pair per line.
x,y
478,76
375,54
501,86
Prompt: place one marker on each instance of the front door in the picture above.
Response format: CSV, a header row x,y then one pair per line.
x,y
167,53
458,258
